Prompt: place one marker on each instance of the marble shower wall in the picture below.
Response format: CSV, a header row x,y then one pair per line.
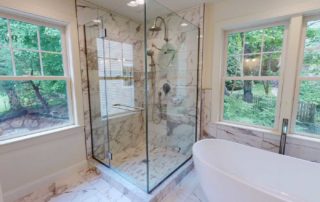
x,y
298,147
179,68
124,130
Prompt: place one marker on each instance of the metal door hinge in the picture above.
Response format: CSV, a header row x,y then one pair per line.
x,y
109,155
103,33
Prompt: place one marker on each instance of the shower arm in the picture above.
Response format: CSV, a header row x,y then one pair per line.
x,y
162,21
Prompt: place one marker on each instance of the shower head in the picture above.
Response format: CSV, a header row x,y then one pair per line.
x,y
157,27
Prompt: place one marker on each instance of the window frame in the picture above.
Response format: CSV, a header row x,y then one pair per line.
x,y
279,78
67,77
298,78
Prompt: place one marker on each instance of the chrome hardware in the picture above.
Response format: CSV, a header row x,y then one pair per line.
x,y
128,108
109,155
283,138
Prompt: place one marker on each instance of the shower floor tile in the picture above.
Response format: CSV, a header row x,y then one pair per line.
x,y
131,163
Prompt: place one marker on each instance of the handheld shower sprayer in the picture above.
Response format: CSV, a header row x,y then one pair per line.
x,y
151,54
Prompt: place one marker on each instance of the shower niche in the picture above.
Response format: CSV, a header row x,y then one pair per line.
x,y
142,68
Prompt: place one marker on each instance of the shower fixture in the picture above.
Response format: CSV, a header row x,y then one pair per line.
x,y
156,27
151,53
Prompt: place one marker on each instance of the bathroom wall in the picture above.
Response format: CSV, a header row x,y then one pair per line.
x,y
36,161
231,13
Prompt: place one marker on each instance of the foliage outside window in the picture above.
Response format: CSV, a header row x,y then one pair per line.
x,y
252,78
33,85
115,63
308,104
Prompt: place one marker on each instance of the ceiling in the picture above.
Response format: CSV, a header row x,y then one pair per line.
x,y
154,7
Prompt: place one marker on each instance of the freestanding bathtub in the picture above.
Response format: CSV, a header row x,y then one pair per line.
x,y
231,172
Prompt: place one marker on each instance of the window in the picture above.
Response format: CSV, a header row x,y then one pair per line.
x,y
253,76
33,78
115,61
307,106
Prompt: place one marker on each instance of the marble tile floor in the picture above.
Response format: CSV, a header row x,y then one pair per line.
x,y
131,163
98,190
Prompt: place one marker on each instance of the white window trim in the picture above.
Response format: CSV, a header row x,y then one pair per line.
x,y
293,54
42,21
256,78
299,78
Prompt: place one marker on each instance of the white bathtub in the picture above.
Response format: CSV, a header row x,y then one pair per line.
x,y
231,172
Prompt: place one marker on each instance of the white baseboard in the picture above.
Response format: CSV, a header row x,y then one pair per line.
x,y
46,181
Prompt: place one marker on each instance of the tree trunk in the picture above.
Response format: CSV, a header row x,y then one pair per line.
x,y
247,91
14,100
266,87
43,101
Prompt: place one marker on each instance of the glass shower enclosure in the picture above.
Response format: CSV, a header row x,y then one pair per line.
x,y
142,67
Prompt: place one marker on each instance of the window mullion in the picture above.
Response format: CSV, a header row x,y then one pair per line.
x,y
262,47
39,49
242,57
290,71
11,48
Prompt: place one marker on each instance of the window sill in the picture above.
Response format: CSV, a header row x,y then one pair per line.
x,y
38,138
291,138
256,129
303,140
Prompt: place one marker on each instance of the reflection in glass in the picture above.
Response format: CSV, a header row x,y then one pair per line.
x,y
271,63
251,65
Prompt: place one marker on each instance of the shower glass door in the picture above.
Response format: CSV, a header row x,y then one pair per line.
x,y
172,66
124,83
97,85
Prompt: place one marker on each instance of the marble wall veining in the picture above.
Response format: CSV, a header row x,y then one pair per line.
x,y
174,134
182,72
182,115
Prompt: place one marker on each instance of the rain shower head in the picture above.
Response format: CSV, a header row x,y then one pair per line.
x,y
157,27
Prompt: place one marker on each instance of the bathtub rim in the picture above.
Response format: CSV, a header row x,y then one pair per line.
x,y
265,189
